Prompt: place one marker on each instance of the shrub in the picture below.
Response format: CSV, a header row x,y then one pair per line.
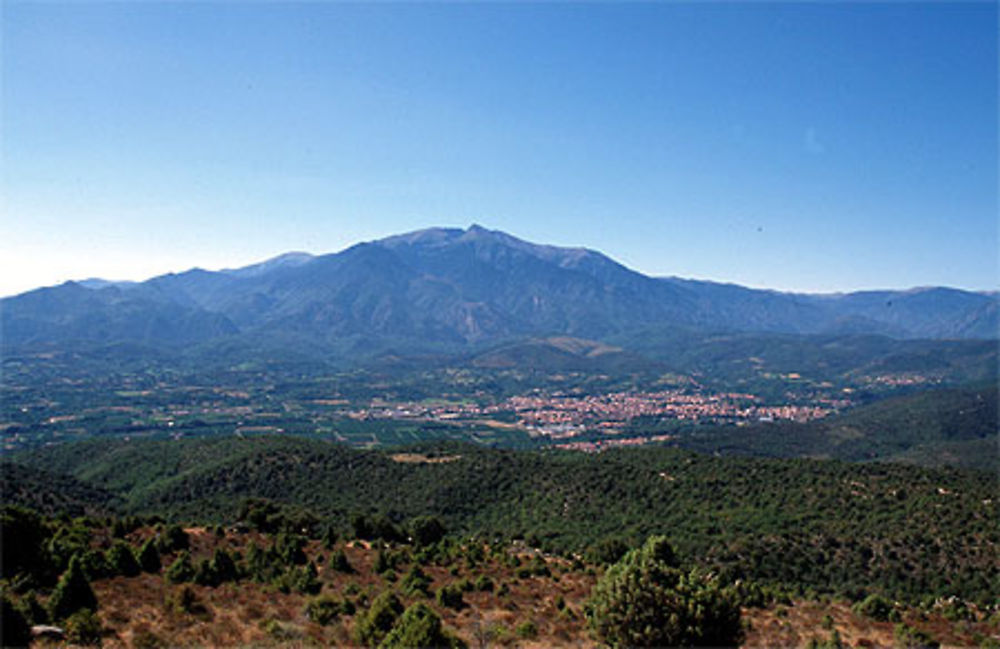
x,y
149,557
426,530
450,595
415,582
644,600
95,565
16,629
184,601
72,593
83,628
122,560
877,608
288,548
607,551
375,623
483,583
338,561
909,638
526,630
173,539
324,609
180,570
419,626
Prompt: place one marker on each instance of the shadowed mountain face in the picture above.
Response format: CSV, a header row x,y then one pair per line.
x,y
459,288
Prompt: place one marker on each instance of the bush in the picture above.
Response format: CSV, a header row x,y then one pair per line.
x,y
607,551
180,570
415,582
72,593
909,638
426,530
324,609
526,630
149,557
184,601
122,560
419,627
644,600
450,595
375,623
338,561
83,628
173,539
877,608
16,629
483,583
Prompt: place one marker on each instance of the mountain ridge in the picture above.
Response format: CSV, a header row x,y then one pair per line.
x,y
448,286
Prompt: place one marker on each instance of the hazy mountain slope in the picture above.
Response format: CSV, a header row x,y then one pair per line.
x,y
70,312
461,287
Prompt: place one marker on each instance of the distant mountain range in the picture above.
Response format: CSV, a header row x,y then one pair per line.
x,y
460,289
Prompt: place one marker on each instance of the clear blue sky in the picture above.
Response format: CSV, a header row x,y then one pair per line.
x,y
797,146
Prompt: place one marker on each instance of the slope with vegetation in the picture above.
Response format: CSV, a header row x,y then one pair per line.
x,y
810,526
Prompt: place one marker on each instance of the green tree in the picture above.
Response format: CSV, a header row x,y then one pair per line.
x,y
149,557
122,560
16,629
426,530
375,623
419,626
72,593
415,582
644,600
338,561
83,628
181,570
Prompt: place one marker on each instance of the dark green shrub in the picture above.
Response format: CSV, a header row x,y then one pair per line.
x,y
375,623
180,570
173,539
450,595
415,582
607,551
426,530
95,565
29,555
149,557
419,626
644,600
526,630
325,609
84,628
224,566
16,629
289,549
72,593
184,601
338,561
877,608
483,583
122,560
907,637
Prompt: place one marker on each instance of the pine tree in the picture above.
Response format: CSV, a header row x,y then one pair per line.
x,y
149,557
72,593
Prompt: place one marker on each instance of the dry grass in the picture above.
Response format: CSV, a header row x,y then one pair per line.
x,y
134,609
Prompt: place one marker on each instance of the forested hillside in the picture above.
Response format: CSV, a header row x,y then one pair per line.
x,y
812,526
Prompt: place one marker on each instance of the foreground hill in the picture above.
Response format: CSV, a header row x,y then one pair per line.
x,y
449,289
811,526
244,585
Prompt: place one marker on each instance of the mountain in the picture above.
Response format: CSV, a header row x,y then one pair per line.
x,y
455,290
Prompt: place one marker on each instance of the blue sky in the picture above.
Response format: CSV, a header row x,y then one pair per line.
x,y
797,146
